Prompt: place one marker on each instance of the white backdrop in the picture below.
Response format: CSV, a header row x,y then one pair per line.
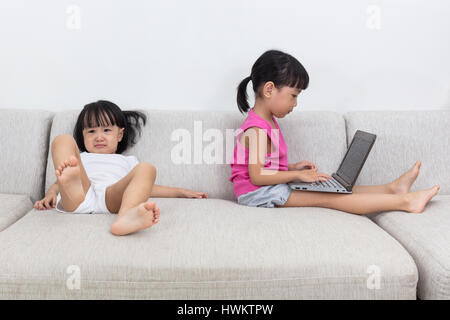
x,y
360,54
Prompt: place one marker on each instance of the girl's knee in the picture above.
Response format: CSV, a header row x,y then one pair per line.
x,y
147,167
63,138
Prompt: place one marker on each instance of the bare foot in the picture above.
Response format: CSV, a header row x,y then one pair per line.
x,y
69,180
404,182
140,217
417,200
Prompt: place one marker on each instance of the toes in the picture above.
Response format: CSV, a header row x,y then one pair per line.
x,y
150,205
418,164
72,161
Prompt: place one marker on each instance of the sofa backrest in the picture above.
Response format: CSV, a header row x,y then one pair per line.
x,y
24,144
403,137
315,136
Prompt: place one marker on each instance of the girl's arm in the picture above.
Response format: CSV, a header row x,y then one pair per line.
x,y
170,192
164,192
302,165
54,189
262,177
49,200
257,153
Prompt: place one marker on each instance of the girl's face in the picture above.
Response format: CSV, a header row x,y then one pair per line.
x,y
102,139
280,101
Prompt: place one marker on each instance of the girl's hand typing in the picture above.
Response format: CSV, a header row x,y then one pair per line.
x,y
312,176
48,202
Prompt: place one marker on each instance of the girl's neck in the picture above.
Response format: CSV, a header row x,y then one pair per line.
x,y
262,111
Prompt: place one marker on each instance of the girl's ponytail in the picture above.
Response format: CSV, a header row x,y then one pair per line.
x,y
132,128
242,95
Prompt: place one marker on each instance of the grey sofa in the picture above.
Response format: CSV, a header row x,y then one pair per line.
x,y
214,248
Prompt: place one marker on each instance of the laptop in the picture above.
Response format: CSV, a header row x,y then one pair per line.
x,y
345,177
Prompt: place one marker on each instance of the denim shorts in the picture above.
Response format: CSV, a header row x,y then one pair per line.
x,y
267,196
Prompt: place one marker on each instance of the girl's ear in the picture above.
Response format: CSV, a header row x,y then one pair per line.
x,y
121,133
268,88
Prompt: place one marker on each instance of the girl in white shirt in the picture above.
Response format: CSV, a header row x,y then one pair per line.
x,y
102,180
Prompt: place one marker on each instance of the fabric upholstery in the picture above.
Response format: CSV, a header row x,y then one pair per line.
x,y
403,137
24,142
14,207
309,135
426,237
205,249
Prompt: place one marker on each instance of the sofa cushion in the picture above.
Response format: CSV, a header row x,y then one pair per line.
x,y
14,207
205,249
309,135
403,137
426,236
24,141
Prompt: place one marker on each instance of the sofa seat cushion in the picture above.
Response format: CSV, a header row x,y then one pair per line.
x,y
14,207
426,236
205,249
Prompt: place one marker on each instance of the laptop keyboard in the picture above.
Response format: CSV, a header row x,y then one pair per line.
x,y
331,183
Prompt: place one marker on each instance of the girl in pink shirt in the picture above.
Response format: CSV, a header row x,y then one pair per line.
x,y
260,170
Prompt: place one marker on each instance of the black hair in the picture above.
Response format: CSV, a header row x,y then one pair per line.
x,y
276,66
105,113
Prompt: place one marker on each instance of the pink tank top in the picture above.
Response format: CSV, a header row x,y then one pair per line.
x,y
276,160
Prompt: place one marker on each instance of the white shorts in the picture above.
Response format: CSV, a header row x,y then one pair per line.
x,y
94,202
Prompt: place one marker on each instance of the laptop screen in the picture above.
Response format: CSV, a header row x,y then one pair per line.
x,y
356,156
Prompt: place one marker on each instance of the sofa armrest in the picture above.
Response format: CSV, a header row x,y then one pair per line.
x,y
14,207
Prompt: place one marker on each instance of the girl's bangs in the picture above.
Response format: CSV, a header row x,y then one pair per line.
x,y
98,117
298,79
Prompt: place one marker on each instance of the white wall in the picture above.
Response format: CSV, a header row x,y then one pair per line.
x,y
360,54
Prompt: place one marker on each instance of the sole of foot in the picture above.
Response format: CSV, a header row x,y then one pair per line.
x,y
69,180
141,217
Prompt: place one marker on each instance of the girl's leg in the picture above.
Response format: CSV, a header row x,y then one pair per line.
x,y
363,203
121,190
401,185
128,197
383,188
72,179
